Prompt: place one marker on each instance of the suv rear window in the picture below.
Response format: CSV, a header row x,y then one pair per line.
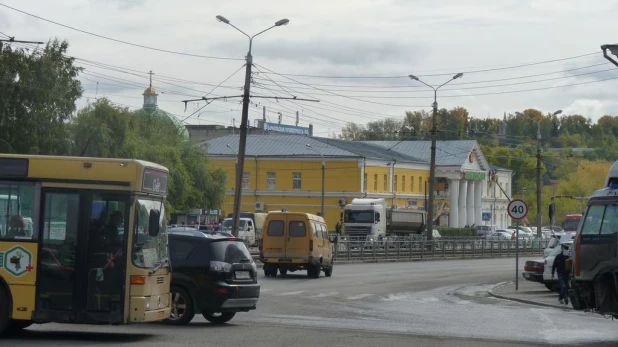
x,y
275,228
232,252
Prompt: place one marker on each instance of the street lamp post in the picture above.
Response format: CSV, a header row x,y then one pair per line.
x,y
323,169
243,123
432,164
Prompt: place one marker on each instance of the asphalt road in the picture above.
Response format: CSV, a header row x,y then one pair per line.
x,y
434,303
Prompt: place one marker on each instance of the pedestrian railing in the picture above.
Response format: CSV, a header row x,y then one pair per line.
x,y
435,249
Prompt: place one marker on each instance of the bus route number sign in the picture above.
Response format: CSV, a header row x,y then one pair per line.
x,y
517,209
155,181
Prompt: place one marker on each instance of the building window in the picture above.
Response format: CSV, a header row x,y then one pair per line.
x,y
395,183
271,180
375,182
386,183
420,184
411,184
296,180
245,180
365,181
403,183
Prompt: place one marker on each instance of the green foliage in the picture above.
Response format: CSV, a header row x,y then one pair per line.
x,y
37,98
446,232
105,130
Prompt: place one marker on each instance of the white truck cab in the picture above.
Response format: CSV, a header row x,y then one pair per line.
x,y
246,228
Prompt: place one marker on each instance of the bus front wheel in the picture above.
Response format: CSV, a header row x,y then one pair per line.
x,y
5,306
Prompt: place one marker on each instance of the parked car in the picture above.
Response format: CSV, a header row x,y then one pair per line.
x,y
556,240
213,274
533,270
552,283
499,235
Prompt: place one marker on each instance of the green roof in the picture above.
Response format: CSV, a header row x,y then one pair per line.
x,y
166,115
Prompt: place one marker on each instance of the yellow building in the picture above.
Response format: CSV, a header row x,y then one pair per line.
x,y
284,171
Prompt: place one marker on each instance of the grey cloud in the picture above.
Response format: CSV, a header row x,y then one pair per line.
x,y
337,52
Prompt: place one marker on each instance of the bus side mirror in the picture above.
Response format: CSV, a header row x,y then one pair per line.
x,y
153,223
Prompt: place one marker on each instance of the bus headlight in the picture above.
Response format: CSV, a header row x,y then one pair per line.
x,y
148,304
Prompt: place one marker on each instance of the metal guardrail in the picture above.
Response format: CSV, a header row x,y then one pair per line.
x,y
357,251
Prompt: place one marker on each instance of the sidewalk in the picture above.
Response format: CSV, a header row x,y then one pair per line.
x,y
532,293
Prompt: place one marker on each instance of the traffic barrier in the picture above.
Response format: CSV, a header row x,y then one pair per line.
x,y
411,250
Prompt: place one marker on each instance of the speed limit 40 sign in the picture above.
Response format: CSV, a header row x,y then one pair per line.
x,y
517,209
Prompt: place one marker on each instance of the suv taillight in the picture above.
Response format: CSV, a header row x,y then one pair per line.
x,y
310,245
219,266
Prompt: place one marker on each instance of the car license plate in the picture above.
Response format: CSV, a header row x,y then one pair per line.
x,y
526,275
243,275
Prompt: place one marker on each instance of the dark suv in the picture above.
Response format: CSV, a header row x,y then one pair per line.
x,y
212,274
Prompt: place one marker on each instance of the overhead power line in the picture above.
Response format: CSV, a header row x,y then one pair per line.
x,y
117,40
444,74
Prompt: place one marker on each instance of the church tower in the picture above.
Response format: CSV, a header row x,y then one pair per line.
x,y
150,96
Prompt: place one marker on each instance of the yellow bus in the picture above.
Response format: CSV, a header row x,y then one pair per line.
x,y
82,241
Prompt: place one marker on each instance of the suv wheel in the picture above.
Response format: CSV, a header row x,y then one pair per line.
x,y
182,307
219,317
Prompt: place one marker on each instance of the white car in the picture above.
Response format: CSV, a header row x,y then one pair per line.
x,y
556,241
499,235
552,283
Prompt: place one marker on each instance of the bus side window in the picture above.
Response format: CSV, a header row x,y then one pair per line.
x,y
16,210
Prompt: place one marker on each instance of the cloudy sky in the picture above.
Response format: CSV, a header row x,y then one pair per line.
x,y
352,56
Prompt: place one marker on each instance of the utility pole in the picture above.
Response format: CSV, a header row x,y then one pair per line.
x,y
242,142
323,171
539,234
432,162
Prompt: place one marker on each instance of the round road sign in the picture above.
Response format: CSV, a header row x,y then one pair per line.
x,y
517,209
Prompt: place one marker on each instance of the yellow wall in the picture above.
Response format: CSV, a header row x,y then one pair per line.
x,y
342,180
341,177
411,175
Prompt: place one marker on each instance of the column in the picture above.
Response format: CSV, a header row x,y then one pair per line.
x,y
478,202
470,203
463,190
453,218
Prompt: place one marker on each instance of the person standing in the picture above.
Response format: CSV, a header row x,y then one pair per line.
x,y
560,267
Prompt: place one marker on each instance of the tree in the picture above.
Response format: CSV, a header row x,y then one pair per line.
x,y
105,130
38,93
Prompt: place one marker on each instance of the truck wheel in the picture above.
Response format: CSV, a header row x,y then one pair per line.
x,y
576,302
5,307
328,272
549,286
283,272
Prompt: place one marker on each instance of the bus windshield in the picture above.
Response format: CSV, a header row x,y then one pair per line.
x,y
149,251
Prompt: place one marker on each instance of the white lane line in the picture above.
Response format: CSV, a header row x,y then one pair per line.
x,y
358,297
324,295
290,293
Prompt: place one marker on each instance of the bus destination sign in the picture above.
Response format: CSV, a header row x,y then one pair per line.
x,y
155,181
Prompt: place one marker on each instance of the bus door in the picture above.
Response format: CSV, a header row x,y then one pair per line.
x,y
81,277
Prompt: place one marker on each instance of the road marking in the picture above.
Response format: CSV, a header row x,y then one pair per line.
x,y
358,297
291,293
324,295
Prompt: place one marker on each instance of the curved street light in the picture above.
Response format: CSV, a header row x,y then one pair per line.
x,y
432,164
242,143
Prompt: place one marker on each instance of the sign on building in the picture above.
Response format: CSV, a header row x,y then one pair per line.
x,y
475,176
287,129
